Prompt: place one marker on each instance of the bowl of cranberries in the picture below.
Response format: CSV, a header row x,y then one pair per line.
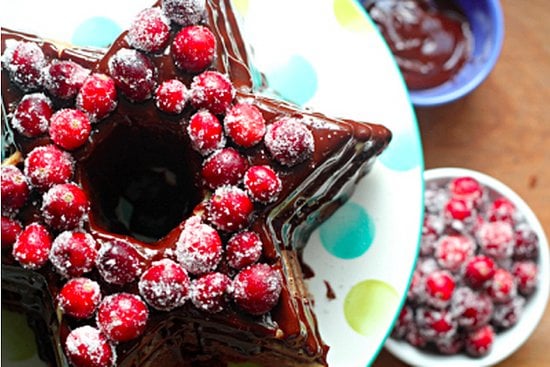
x,y
481,282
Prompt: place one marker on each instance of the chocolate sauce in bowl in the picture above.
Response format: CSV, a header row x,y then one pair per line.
x,y
430,39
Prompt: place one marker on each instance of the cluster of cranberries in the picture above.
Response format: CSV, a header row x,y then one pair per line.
x,y
477,268
189,272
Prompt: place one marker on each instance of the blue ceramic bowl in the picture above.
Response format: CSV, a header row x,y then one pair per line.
x,y
487,24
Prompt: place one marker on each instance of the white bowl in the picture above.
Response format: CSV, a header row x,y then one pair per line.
x,y
506,342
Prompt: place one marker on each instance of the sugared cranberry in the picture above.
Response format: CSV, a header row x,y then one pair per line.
x,y
97,97
171,96
256,289
432,228
503,286
507,314
501,209
525,273
64,206
224,167
435,324
164,285
478,271
496,239
263,184
451,345
403,322
213,91
63,78
149,31
244,124
118,262
184,12
46,166
480,341
414,338
73,253
451,251
32,246
210,292
471,309
526,244
289,141
79,298
199,247
86,346
243,249
439,287
122,316
11,228
15,188
416,288
70,128
205,132
457,212
193,48
32,116
24,62
230,208
435,198
466,188
427,265
134,74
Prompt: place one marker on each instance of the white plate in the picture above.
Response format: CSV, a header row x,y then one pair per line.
x,y
326,55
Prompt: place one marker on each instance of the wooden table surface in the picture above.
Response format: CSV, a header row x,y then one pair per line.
x,y
503,129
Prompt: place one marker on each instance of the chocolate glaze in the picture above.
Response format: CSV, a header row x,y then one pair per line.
x,y
312,190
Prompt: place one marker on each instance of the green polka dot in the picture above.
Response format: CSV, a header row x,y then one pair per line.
x,y
349,233
241,6
17,338
351,16
368,306
403,152
96,32
296,81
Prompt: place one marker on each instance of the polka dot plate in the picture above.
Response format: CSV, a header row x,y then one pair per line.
x,y
326,55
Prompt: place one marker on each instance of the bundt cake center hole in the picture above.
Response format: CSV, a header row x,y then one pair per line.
x,y
140,183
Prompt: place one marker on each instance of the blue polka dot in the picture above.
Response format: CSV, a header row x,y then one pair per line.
x,y
96,32
403,153
349,233
296,81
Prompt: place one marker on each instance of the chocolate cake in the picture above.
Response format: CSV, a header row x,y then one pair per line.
x,y
155,205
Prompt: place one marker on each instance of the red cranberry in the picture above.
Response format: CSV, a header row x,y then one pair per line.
x,y
70,128
65,206
164,285
193,48
526,244
496,239
134,74
118,262
503,287
73,253
122,317
149,31
199,247
46,166
507,314
457,211
466,188
184,12
451,345
435,324
256,289
243,249
210,291
24,62
263,184
416,288
79,298
32,246
213,91
244,124
205,132
97,97
171,96
501,209
289,141
86,346
15,188
480,341
439,287
11,228
224,167
525,273
426,266
32,116
63,78
471,309
432,228
451,251
403,322
479,270
230,208
434,199
414,338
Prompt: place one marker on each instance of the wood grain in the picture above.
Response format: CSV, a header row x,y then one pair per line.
x,y
503,129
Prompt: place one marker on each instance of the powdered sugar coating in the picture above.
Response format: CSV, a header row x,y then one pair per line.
x,y
289,141
118,262
149,31
86,346
230,208
243,249
32,246
452,251
244,124
435,324
471,309
496,239
65,206
213,91
263,184
184,12
210,292
48,165
79,298
199,247
63,78
32,115
122,316
73,253
24,62
205,132
15,188
171,96
134,74
164,285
